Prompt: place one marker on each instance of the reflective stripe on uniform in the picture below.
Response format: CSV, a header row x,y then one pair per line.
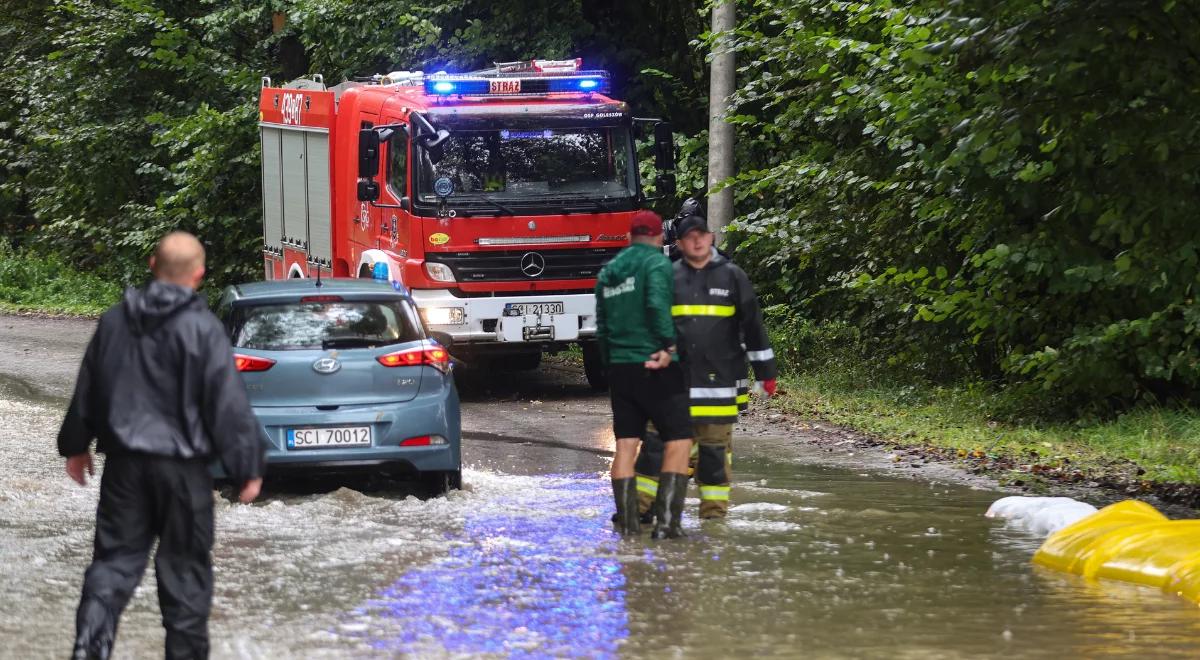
x,y
695,450
743,398
720,493
714,411
712,392
647,485
703,310
761,356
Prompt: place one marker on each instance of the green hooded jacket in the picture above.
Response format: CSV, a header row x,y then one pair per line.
x,y
633,305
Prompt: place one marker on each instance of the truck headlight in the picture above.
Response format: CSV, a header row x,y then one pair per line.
x,y
438,272
443,315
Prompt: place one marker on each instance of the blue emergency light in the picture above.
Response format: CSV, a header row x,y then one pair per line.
x,y
379,271
525,84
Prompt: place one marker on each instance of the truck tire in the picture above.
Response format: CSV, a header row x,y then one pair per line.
x,y
593,367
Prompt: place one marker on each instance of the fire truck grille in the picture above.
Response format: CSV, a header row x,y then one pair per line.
x,y
525,265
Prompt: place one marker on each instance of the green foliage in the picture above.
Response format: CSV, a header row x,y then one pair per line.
x,y
121,120
43,282
1004,187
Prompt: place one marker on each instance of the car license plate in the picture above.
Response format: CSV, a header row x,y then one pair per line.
x,y
320,438
532,309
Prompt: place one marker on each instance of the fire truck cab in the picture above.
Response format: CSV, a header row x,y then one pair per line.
x,y
495,196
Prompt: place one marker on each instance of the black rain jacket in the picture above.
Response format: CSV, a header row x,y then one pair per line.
x,y
159,378
720,327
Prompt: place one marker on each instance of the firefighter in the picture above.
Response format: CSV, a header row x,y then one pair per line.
x,y
636,338
720,327
159,392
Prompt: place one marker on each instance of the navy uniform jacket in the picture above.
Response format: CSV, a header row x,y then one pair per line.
x,y
720,327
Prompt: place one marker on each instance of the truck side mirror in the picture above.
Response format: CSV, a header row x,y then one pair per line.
x,y
664,147
368,153
664,184
368,190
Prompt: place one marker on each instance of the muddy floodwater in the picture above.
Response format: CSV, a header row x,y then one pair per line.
x,y
815,560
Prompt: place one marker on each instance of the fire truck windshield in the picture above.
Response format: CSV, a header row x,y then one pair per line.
x,y
531,165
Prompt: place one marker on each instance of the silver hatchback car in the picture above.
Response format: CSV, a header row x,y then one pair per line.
x,y
343,377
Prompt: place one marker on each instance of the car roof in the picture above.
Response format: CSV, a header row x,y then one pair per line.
x,y
292,289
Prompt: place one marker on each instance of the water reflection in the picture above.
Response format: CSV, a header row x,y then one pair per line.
x,y
812,561
517,584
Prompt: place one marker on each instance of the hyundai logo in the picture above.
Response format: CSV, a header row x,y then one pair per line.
x,y
533,264
326,366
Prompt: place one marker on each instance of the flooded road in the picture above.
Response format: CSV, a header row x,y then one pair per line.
x,y
817,559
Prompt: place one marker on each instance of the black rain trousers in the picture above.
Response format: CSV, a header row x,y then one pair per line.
x,y
143,497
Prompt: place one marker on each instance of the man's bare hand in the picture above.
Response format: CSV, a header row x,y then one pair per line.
x,y
659,360
250,490
77,464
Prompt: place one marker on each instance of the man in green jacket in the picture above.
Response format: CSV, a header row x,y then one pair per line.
x,y
636,335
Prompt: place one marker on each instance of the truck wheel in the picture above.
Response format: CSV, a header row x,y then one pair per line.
x,y
593,367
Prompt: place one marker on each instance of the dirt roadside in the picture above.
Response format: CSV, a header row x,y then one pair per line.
x,y
845,447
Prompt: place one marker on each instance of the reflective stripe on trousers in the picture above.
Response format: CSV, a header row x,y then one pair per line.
x,y
714,493
647,485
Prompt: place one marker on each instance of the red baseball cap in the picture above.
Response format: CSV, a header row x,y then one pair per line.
x,y
646,223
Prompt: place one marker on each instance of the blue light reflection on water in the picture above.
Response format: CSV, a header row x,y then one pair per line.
x,y
521,584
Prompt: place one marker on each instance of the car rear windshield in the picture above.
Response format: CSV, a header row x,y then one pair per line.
x,y
317,325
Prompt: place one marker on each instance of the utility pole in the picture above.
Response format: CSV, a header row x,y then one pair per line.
x,y
720,132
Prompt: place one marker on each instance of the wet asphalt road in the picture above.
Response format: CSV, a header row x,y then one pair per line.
x,y
820,557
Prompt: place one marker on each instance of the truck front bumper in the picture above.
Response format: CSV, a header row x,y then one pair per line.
x,y
484,320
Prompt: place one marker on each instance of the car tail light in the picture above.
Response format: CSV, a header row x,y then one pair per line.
x,y
423,440
252,362
317,299
434,356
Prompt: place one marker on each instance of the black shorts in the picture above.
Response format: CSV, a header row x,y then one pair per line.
x,y
657,395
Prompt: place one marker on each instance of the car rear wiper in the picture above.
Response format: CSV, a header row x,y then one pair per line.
x,y
351,342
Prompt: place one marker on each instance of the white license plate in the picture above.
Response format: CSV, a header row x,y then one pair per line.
x,y
343,436
532,309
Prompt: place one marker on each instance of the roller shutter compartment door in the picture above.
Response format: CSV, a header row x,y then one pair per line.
x,y
295,193
272,188
320,241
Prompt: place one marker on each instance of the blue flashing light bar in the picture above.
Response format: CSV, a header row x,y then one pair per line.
x,y
522,85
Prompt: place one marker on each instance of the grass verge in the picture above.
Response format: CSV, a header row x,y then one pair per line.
x,y
1144,450
44,284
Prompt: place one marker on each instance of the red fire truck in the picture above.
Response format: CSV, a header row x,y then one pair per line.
x,y
494,196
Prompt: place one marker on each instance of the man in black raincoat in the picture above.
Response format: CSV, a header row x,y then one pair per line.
x,y
159,392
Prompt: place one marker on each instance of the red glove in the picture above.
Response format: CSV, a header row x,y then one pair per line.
x,y
769,386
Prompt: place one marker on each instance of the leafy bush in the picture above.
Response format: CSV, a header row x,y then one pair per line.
x,y
32,281
1001,186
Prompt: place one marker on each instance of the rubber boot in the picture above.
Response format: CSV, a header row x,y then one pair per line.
x,y
625,496
668,506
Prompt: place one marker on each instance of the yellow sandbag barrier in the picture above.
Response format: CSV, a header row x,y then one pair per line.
x,y
1132,542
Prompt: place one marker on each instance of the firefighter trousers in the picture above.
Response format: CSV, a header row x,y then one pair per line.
x,y
711,465
144,497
